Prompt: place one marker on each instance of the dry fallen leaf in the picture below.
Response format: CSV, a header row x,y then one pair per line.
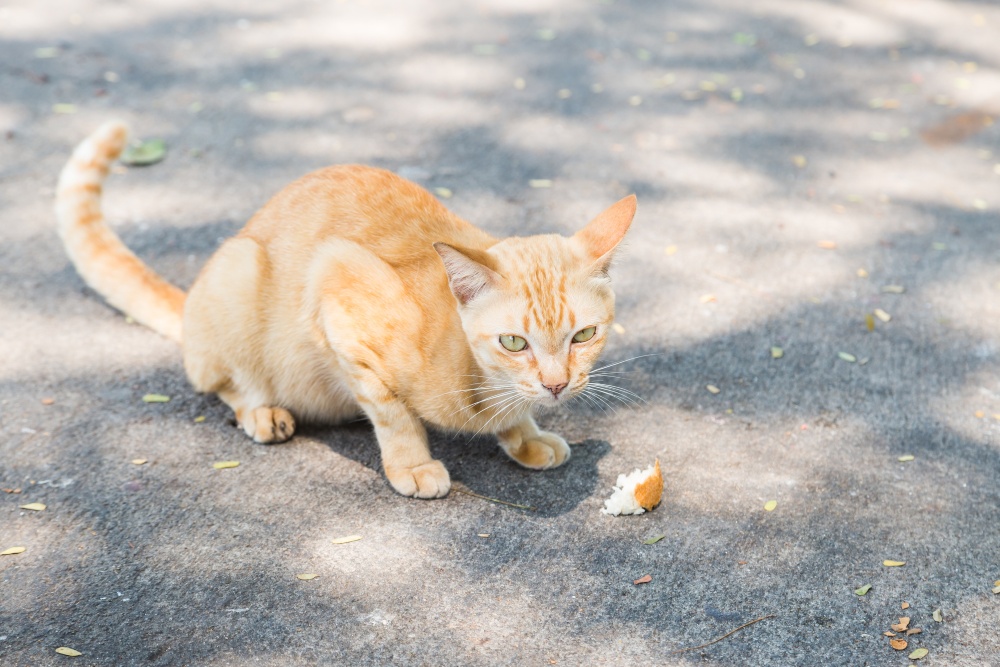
x,y
707,298
139,462
643,580
919,653
898,644
903,459
894,563
847,356
905,605
64,650
653,540
36,507
937,616
827,245
306,577
913,631
155,398
222,465
483,535
770,505
443,193
870,322
956,128
889,633
618,329
540,183
863,590
712,389
882,315
48,401
199,419
904,622
800,161
13,550
345,540
777,353
893,289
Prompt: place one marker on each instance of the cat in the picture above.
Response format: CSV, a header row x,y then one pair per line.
x,y
356,292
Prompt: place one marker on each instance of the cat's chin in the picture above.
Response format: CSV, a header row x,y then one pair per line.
x,y
552,401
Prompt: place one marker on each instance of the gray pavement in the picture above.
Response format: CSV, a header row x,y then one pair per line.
x,y
792,160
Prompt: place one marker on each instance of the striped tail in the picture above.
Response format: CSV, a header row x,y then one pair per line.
x,y
100,257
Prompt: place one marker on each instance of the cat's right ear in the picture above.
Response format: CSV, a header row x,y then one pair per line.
x,y
467,277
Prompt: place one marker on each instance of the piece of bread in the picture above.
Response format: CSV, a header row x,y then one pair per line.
x,y
636,493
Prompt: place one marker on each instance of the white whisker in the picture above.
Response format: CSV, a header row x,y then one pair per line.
x,y
624,398
518,401
653,354
591,402
603,401
499,398
495,407
621,390
504,394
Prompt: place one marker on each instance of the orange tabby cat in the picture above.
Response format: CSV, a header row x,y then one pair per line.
x,y
355,291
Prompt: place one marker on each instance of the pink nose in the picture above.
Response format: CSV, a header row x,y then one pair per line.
x,y
555,388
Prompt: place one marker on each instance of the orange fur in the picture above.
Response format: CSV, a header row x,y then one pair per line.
x,y
98,254
355,291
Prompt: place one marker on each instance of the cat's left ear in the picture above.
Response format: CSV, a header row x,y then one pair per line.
x,y
468,272
603,234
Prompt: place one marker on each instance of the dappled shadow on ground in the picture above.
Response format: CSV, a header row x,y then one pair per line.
x,y
207,559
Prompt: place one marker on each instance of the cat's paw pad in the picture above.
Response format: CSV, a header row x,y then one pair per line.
x,y
428,480
269,425
546,450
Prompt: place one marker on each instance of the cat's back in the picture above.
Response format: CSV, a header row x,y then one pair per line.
x,y
394,218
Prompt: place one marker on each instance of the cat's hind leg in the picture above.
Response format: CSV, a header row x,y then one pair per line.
x,y
222,334
265,424
533,448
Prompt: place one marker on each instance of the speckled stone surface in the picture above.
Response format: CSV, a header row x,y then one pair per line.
x,y
791,160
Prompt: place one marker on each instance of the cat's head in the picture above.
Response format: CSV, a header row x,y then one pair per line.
x,y
537,310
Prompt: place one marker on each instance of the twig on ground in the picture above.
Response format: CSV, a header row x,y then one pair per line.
x,y
719,639
494,500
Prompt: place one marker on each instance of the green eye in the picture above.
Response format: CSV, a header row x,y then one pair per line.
x,y
583,335
513,343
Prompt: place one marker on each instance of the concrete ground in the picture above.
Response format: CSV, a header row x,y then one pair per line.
x,y
798,166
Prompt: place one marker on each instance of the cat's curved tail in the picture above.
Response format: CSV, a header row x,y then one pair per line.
x,y
99,255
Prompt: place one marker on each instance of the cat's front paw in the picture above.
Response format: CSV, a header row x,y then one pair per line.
x,y
428,480
545,450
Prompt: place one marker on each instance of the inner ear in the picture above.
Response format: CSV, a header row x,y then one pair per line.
x,y
603,234
470,272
